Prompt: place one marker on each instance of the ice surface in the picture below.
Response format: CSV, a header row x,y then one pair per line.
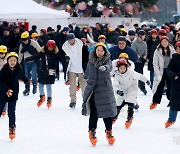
x,y
62,130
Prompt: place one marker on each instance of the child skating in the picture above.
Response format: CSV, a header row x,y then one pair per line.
x,y
125,84
10,75
130,66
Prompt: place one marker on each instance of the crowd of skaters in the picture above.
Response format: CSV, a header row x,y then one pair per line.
x,y
90,56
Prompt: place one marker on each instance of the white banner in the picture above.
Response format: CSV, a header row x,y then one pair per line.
x,y
113,22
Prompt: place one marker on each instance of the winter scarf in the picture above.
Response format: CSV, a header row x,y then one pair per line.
x,y
99,61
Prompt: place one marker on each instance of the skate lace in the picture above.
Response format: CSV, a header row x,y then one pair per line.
x,y
92,134
169,122
129,119
41,99
109,134
49,100
114,120
12,130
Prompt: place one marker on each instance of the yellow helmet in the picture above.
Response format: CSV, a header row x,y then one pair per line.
x,y
25,35
124,55
101,37
33,35
3,49
110,29
101,44
123,29
12,54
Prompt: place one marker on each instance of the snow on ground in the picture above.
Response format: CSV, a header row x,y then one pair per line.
x,y
62,130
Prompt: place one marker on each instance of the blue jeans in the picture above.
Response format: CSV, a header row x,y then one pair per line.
x,y
11,112
31,71
151,77
172,115
48,87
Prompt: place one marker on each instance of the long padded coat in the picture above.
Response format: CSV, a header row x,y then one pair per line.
x,y
99,84
158,64
172,71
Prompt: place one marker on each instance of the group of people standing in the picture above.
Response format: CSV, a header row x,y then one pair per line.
x,y
93,68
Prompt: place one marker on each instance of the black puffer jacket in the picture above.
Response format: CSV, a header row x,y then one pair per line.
x,y
14,39
151,47
9,79
112,37
60,38
99,84
172,71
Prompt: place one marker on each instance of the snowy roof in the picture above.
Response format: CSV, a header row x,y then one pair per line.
x,y
28,9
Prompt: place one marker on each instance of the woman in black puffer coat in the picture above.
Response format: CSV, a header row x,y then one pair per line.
x,y
98,97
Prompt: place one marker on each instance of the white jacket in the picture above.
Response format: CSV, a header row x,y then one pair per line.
x,y
67,49
128,83
158,64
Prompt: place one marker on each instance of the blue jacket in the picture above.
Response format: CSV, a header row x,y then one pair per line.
x,y
115,51
92,48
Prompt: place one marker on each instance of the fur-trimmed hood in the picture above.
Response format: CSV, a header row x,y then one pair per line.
x,y
99,61
55,50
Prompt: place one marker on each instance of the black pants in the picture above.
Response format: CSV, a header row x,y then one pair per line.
x,y
159,92
57,71
139,68
64,65
93,119
130,110
11,112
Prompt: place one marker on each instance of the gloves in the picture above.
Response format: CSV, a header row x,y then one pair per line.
x,y
120,93
176,77
102,68
67,59
148,82
9,93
